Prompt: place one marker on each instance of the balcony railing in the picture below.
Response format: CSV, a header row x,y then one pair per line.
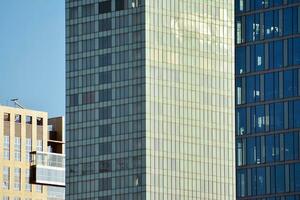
x,y
47,168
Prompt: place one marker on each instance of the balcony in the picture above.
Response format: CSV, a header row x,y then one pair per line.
x,y
47,169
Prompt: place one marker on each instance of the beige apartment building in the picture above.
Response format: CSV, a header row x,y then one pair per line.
x,y
31,155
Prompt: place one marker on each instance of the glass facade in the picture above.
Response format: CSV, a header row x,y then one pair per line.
x,y
150,100
267,99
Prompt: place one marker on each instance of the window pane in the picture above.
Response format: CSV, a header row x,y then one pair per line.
x,y
296,52
251,151
239,31
288,21
280,178
104,7
278,116
289,146
269,86
288,83
241,122
240,60
240,5
270,151
260,119
297,114
250,89
241,183
261,181
259,57
278,54
297,177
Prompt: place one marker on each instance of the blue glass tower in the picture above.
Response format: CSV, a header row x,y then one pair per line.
x,y
268,99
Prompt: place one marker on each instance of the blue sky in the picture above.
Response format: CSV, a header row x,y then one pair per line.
x,y
32,54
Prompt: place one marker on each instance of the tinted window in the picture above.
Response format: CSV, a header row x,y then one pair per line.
x,y
289,146
259,57
296,114
105,42
240,60
104,148
105,59
241,122
251,151
105,113
278,116
105,24
104,7
104,95
105,77
280,178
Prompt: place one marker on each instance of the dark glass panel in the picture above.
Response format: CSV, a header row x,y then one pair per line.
x,y
288,83
250,28
277,148
270,151
104,7
241,183
278,116
239,5
297,177
269,86
280,178
259,57
253,182
241,121
296,52
289,146
260,118
240,60
251,151
297,114
261,181
287,21
105,77
278,54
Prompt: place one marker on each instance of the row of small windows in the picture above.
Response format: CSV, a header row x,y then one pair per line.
x,y
102,8
18,119
249,5
106,130
17,148
269,86
106,166
269,117
105,25
90,62
106,59
268,180
267,149
278,197
106,95
15,182
105,113
104,184
105,148
272,55
89,186
106,77
127,196
267,25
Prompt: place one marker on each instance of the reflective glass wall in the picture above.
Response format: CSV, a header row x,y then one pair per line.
x,y
105,99
190,100
267,99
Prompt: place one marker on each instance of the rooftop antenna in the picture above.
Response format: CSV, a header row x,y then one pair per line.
x,y
17,103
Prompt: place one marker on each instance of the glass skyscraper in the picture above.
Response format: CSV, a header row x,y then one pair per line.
x,y
268,99
150,100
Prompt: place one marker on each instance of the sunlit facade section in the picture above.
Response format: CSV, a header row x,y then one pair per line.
x,y
190,100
